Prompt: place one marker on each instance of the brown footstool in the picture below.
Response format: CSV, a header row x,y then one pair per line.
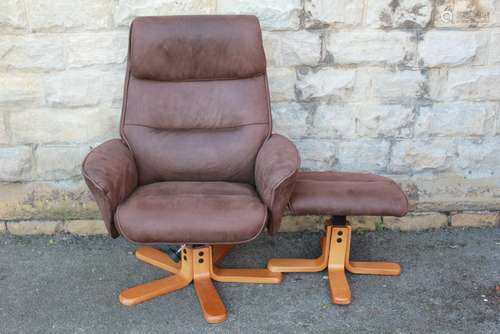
x,y
342,194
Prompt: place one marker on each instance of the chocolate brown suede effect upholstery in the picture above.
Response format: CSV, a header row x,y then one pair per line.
x,y
110,173
219,212
275,173
202,166
347,194
196,48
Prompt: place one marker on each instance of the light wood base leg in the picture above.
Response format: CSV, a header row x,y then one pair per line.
x,y
219,252
211,304
157,258
144,292
304,265
370,268
335,255
197,265
339,287
374,268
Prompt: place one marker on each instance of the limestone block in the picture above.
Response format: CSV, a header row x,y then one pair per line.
x,y
372,47
54,200
281,83
84,227
334,121
323,82
20,88
465,83
84,87
64,125
316,154
101,48
422,155
37,51
464,13
398,85
323,13
12,16
4,135
272,14
15,163
369,155
416,222
399,13
450,191
291,119
475,219
56,162
389,120
450,48
478,158
302,223
456,119
33,227
124,11
289,48
59,15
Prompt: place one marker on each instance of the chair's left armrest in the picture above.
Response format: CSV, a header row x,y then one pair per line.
x,y
276,169
110,172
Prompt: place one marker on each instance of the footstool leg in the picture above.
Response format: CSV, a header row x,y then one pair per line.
x,y
370,268
219,252
335,254
242,275
304,265
339,287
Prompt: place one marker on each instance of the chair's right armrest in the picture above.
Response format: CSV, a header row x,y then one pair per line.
x,y
111,174
276,169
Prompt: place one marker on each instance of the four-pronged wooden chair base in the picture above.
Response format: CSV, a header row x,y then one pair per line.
x,y
197,265
335,247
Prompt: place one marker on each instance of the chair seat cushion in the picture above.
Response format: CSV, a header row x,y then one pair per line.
x,y
192,212
347,194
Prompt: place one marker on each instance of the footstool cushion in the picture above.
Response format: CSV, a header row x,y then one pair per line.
x,y
347,194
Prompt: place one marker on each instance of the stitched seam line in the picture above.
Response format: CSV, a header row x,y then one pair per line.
x,y
187,129
252,76
117,219
344,181
201,195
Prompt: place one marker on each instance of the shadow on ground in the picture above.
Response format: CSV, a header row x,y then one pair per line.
x,y
67,284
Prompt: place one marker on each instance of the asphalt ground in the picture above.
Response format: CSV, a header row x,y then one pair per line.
x,y
69,284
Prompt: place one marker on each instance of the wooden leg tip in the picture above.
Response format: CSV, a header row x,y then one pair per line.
x,y
341,300
216,319
126,301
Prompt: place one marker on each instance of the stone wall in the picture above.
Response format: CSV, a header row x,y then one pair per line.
x,y
404,88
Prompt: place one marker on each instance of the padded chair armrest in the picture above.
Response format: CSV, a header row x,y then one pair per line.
x,y
110,172
276,169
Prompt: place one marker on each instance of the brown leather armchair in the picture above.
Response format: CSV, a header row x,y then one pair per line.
x,y
196,163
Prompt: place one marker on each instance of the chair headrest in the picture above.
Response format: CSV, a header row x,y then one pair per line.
x,y
189,48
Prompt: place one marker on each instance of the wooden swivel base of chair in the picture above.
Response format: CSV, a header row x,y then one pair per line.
x,y
198,266
335,255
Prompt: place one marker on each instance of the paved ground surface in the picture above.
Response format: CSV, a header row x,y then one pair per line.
x,y
65,284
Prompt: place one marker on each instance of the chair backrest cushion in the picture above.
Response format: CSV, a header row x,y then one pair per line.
x,y
196,104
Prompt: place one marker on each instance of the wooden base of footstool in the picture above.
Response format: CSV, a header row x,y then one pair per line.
x,y
335,247
197,265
